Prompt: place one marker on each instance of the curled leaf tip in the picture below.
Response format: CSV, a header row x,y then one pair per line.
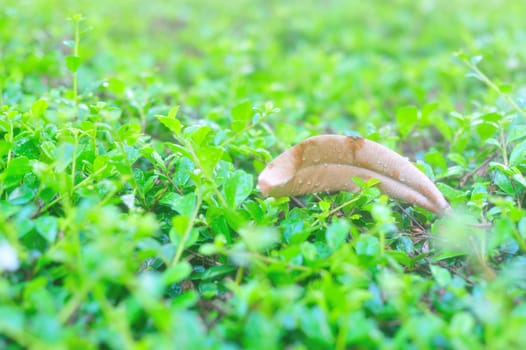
x,y
328,163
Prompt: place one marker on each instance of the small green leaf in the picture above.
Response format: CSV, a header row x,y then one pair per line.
x,y
170,121
505,88
315,323
38,108
184,205
47,227
367,245
216,272
116,86
180,225
172,113
73,63
208,290
208,158
337,233
21,195
295,226
259,238
520,179
177,273
486,129
461,55
69,43
18,167
400,257
238,187
501,231
63,156
441,275
476,59
198,133
12,320
129,133
516,132
242,111
309,251
451,193
462,323
504,183
406,119
241,115
518,154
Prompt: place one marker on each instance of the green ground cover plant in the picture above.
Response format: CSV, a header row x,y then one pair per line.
x,y
132,134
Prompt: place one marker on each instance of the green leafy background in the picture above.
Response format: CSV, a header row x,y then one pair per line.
x,y
132,133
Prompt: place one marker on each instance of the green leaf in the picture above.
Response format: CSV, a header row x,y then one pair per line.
x,y
476,59
259,238
69,43
176,273
208,158
38,108
208,290
406,118
501,231
180,225
116,86
73,63
21,195
309,251
242,111
367,245
295,226
516,132
241,115
451,193
199,133
314,322
12,320
400,257
441,275
505,88
337,233
504,183
170,121
63,156
129,133
518,154
216,272
184,205
436,159
238,187
486,129
5,147
172,113
47,227
18,167
462,323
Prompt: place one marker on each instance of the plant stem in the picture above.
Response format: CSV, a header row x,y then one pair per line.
x,y
74,302
134,183
197,162
493,86
80,184
188,230
74,163
239,275
76,54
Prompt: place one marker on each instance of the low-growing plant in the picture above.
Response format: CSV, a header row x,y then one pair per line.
x,y
132,138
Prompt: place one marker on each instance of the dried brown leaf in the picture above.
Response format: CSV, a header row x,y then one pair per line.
x,y
328,163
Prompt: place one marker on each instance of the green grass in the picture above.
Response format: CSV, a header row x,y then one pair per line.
x,y
132,134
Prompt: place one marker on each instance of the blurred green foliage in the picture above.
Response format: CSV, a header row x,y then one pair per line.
x,y
132,133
